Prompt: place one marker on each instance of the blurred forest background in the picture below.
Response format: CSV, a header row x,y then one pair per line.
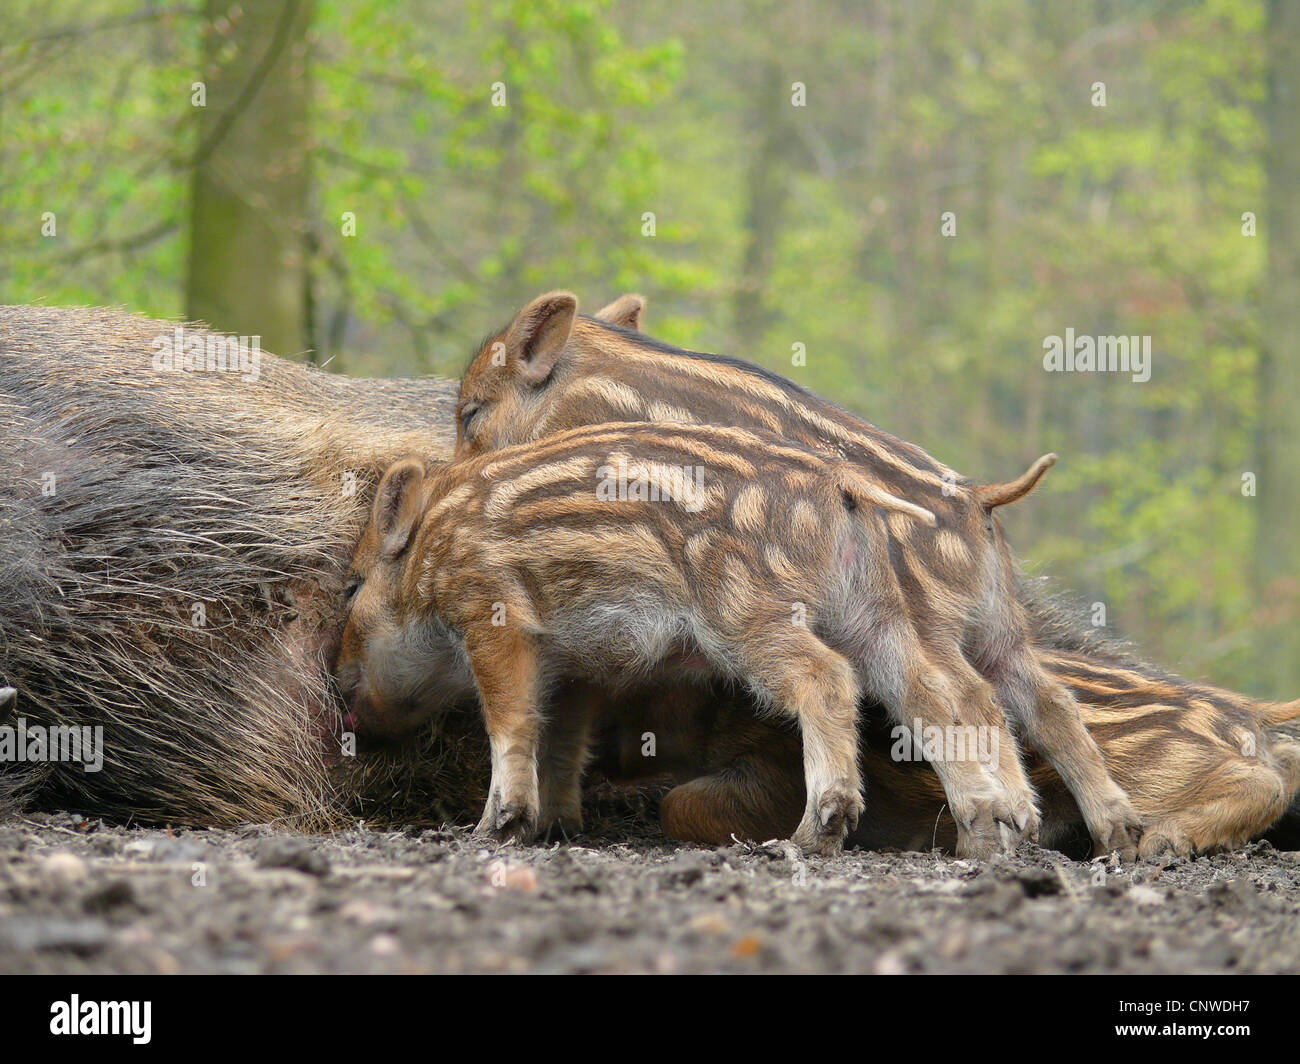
x,y
374,185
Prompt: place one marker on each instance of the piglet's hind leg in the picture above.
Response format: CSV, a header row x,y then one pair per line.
x,y
808,680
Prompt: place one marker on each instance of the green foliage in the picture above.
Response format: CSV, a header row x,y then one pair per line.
x,y
92,125
1123,219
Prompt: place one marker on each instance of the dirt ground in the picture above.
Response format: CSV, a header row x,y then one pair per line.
x,y
79,896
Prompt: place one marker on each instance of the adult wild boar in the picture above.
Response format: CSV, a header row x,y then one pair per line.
x,y
176,516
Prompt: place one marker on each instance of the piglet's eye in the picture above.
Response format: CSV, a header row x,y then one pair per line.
x,y
467,415
350,592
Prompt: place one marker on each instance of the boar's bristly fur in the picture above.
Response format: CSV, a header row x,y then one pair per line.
x,y
172,560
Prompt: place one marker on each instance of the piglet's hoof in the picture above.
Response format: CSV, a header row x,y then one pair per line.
x,y
507,822
1119,832
829,820
982,835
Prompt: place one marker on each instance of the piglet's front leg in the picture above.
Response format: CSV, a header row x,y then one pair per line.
x,y
506,671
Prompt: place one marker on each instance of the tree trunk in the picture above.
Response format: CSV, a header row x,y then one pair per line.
x,y
247,269
769,191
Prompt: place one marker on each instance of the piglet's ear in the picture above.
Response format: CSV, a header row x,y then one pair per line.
x,y
625,311
397,506
538,335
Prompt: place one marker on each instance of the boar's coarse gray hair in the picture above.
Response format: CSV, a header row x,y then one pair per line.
x,y
172,552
